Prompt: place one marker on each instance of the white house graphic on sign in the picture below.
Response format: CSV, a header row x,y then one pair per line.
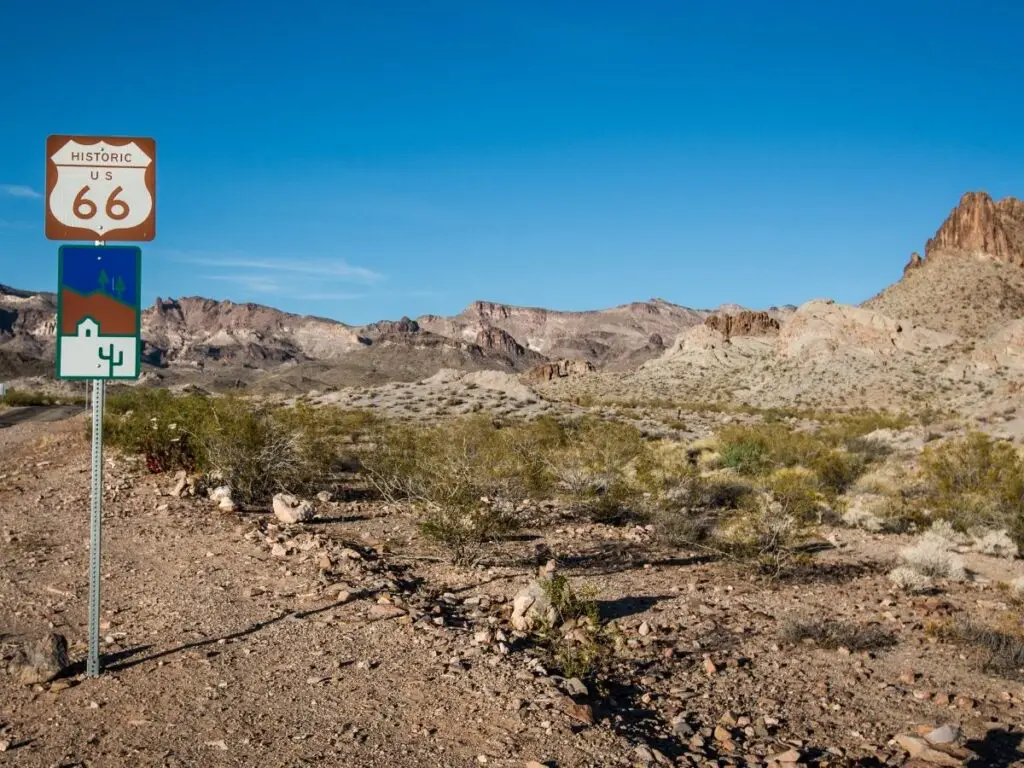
x,y
88,354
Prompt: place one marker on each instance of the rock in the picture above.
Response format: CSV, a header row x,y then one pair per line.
x,y
644,755
180,483
744,323
944,734
560,370
722,733
582,712
915,262
790,756
278,550
965,703
5,744
43,660
576,687
919,749
709,666
384,611
323,497
978,224
288,509
645,629
531,605
535,764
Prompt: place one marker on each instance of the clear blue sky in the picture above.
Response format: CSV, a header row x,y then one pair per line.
x,y
369,160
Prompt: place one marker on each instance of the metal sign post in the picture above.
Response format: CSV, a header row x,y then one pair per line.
x,y
102,188
92,667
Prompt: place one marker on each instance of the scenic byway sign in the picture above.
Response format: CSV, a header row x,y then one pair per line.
x,y
100,188
99,312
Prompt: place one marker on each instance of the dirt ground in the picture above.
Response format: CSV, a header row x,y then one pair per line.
x,y
229,641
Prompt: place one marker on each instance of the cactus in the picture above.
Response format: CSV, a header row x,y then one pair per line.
x,y
115,361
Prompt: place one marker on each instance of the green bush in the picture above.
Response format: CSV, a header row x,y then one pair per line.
x,y
466,479
838,470
26,397
976,481
257,450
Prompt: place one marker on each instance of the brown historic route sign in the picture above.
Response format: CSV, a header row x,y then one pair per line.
x,y
100,188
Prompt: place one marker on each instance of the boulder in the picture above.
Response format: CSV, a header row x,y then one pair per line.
x,y
43,660
531,606
289,509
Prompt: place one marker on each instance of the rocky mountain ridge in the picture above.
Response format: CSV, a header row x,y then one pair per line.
x,y
962,302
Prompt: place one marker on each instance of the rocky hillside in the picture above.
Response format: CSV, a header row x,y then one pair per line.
x,y
27,325
622,336
949,332
971,280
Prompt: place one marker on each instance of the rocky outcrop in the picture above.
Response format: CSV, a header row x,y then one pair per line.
x,y
607,337
744,323
915,262
979,225
560,370
823,327
500,341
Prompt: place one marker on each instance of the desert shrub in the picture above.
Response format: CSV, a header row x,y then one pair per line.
x,y
930,556
850,426
795,490
465,479
833,634
689,512
761,533
909,579
995,544
573,643
256,450
26,397
602,467
976,481
838,470
747,454
1003,646
166,430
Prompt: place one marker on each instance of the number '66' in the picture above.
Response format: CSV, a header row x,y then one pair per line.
x,y
85,208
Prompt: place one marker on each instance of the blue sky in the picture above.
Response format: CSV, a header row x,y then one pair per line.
x,y
368,160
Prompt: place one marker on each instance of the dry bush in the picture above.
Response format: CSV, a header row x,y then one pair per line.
x,y
601,467
835,634
763,534
995,544
1003,647
909,580
930,556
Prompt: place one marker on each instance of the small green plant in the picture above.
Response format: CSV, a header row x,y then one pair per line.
x,y
573,642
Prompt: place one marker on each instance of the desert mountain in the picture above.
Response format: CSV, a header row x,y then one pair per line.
x,y
195,334
950,331
619,337
971,280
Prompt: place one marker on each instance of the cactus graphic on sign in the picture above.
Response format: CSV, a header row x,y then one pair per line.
x,y
99,312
